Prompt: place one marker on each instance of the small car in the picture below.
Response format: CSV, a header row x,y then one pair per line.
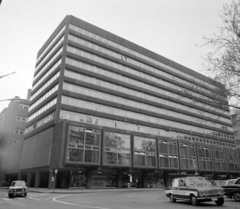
x,y
233,190
195,189
230,182
17,188
4,183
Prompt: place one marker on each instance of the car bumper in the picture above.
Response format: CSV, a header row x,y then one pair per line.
x,y
215,197
17,193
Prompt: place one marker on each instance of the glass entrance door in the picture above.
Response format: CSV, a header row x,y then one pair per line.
x,y
77,179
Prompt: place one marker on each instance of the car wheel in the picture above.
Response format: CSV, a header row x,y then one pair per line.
x,y
172,199
10,196
236,196
194,200
220,201
25,195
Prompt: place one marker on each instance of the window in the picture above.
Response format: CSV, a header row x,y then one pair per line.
x,y
145,152
168,154
83,145
18,131
14,142
181,183
23,106
116,149
21,118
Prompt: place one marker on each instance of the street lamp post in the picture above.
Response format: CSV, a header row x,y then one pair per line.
x,y
6,75
11,100
55,173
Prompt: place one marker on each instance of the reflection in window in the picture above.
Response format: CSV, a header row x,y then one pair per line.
x,y
233,162
220,161
205,158
116,149
168,154
83,145
188,156
144,152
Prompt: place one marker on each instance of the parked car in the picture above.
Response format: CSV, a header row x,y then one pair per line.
x,y
230,182
195,189
17,188
220,182
233,191
4,184
213,182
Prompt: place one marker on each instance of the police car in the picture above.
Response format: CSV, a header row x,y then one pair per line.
x,y
195,189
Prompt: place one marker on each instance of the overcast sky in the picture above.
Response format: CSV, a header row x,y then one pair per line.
x,y
171,28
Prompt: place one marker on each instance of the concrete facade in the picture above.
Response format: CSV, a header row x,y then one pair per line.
x,y
105,112
13,124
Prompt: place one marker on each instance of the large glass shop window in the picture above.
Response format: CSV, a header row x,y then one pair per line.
x,y
145,152
168,154
83,145
103,179
220,160
233,162
205,158
188,156
117,149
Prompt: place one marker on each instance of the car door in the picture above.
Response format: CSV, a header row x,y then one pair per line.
x,y
230,188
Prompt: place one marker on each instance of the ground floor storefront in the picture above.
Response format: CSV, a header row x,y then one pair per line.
x,y
108,178
93,178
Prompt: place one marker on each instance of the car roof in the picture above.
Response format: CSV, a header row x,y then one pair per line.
x,y
19,181
190,176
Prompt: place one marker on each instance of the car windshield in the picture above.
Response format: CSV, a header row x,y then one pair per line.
x,y
197,181
231,182
18,183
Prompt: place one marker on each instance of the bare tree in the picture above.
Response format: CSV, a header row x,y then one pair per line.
x,y
223,62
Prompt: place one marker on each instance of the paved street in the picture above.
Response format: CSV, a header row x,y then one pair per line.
x,y
131,199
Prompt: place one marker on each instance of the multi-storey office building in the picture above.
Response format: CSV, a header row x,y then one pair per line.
x,y
105,111
12,127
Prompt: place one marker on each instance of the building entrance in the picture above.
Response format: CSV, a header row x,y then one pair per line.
x,y
77,179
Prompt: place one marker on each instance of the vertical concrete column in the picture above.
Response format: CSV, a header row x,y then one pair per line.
x,y
50,182
37,179
119,179
88,178
145,182
165,178
29,178
19,175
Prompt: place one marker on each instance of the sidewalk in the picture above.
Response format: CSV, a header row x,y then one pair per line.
x,y
82,191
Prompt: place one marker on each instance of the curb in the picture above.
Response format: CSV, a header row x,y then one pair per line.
x,y
95,191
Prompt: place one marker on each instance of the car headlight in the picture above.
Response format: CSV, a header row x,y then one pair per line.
x,y
202,193
221,192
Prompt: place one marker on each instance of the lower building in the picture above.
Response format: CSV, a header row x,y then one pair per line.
x,y
12,127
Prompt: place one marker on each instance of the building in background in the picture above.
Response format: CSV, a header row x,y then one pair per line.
x,y
105,111
12,127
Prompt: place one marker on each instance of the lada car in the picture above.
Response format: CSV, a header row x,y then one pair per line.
x,y
195,189
233,191
17,188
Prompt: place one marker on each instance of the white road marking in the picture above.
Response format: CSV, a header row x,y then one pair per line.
x,y
66,203
233,206
130,196
33,198
6,199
